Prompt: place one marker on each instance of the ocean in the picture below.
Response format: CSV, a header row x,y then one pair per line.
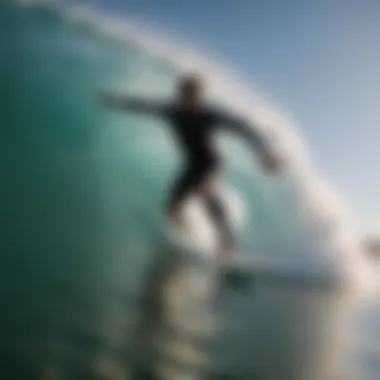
x,y
82,197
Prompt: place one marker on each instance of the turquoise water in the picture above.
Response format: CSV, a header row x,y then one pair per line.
x,y
82,188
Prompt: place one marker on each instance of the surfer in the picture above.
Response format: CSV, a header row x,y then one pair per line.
x,y
193,124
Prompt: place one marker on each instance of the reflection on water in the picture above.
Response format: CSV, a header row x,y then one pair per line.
x,y
183,324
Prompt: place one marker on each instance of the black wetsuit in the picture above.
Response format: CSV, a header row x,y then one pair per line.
x,y
193,130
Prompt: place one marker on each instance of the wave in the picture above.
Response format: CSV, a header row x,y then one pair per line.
x,y
119,166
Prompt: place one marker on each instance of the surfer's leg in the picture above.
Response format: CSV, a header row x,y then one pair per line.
x,y
202,179
217,211
183,187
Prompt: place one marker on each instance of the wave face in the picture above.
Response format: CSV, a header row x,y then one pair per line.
x,y
81,178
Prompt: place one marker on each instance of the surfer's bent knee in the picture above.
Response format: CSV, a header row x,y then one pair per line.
x,y
196,178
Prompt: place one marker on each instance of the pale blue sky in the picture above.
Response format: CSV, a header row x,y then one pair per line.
x,y
320,59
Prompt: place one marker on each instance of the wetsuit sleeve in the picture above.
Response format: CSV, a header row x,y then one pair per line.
x,y
240,126
139,105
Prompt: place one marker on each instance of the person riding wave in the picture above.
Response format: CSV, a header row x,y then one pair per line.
x,y
193,123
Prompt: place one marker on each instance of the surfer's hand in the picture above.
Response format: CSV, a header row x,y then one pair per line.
x,y
271,163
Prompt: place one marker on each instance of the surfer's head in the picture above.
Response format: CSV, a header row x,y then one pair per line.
x,y
191,90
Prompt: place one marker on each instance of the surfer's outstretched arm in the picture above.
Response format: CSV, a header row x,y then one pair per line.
x,y
251,134
133,104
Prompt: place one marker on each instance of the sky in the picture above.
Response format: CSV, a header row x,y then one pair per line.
x,y
319,60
